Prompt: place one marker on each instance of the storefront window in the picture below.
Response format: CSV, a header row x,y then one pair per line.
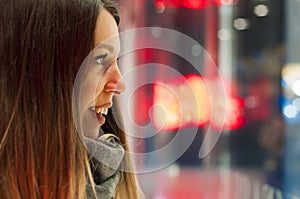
x,y
214,97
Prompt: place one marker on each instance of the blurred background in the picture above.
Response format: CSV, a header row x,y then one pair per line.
x,y
255,45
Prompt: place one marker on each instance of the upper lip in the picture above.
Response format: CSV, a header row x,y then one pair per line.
x,y
106,105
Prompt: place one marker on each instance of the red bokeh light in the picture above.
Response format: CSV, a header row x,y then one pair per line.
x,y
187,101
194,4
191,4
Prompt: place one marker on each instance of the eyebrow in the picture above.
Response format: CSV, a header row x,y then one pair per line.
x,y
107,46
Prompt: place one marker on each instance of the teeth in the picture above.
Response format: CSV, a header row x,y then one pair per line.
x,y
104,111
100,110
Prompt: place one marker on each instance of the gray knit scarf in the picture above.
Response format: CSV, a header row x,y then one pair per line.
x,y
106,157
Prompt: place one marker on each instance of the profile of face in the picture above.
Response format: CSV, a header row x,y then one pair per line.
x,y
101,79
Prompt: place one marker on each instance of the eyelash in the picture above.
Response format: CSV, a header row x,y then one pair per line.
x,y
100,59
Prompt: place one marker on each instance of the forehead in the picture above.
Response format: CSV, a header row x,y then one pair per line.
x,y
106,29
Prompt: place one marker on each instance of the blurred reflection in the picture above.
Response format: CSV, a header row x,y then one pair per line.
x,y
250,42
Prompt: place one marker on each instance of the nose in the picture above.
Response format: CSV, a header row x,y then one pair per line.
x,y
115,83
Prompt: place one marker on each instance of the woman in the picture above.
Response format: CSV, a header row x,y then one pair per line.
x,y
42,45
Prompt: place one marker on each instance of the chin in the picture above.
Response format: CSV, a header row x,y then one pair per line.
x,y
90,125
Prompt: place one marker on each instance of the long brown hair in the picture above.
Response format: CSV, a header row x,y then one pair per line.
x,y
42,44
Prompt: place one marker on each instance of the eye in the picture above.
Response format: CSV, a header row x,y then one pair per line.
x,y
101,59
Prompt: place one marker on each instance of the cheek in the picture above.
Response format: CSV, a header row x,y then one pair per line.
x,y
89,91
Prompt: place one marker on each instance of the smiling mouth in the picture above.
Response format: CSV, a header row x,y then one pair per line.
x,y
99,110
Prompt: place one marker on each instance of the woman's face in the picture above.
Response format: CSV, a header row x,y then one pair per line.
x,y
103,78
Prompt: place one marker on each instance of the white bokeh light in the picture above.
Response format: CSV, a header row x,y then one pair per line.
x,y
196,50
290,111
296,87
296,103
241,24
261,10
224,34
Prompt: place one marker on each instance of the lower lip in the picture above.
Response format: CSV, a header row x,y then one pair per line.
x,y
101,119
